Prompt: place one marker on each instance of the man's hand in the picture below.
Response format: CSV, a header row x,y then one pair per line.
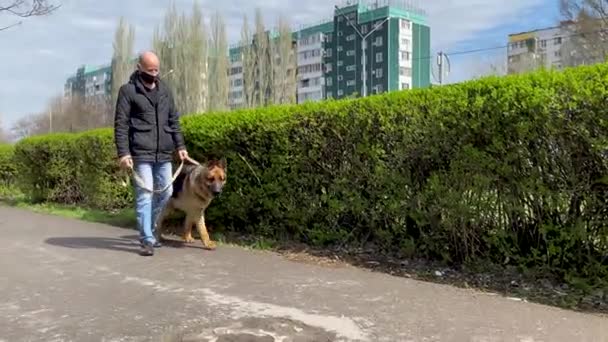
x,y
183,154
126,162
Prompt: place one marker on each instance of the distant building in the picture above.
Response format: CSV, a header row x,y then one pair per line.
x,y
236,94
332,60
550,47
330,54
89,82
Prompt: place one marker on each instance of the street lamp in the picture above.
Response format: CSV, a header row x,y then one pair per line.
x,y
363,46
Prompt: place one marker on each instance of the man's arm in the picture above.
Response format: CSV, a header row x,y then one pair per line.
x,y
121,124
178,137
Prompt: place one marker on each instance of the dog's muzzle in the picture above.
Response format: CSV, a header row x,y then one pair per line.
x,y
216,189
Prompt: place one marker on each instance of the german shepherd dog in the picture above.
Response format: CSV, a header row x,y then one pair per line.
x,y
193,190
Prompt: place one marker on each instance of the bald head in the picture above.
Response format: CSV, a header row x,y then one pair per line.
x,y
148,58
148,63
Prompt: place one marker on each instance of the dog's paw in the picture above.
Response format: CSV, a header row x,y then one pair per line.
x,y
210,245
188,239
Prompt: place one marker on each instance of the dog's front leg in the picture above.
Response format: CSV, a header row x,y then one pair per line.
x,y
187,236
202,231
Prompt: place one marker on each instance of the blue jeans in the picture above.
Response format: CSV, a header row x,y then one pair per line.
x,y
149,206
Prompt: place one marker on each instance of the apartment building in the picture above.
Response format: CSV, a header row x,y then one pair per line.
x,y
375,47
89,81
537,48
368,47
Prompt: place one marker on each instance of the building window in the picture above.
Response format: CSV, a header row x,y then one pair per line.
x,y
340,78
340,92
350,52
364,29
379,57
405,24
339,48
350,83
543,43
557,40
405,85
405,55
378,88
350,38
407,72
340,32
340,63
236,70
379,73
328,52
329,82
405,43
558,54
328,67
378,41
350,68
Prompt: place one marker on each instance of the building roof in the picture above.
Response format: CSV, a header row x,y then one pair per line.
x,y
561,24
92,69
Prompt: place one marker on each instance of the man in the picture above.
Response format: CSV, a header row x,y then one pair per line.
x,y
146,133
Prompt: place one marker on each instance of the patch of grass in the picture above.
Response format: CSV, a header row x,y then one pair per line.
x,y
120,218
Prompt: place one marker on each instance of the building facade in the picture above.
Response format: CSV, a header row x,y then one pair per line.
x,y
537,48
377,47
367,47
89,82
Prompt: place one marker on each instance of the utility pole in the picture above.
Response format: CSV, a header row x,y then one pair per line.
x,y
50,121
441,57
363,47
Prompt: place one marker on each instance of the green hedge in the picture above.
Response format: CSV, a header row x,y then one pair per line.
x,y
72,169
509,169
7,166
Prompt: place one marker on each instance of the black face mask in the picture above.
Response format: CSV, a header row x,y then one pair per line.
x,y
147,78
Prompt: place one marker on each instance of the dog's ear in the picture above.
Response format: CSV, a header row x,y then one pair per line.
x,y
223,163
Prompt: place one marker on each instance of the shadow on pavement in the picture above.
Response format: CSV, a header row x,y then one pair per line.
x,y
127,244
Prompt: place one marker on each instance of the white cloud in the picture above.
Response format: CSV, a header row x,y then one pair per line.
x,y
39,55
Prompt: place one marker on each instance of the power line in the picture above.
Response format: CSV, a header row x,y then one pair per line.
x,y
466,52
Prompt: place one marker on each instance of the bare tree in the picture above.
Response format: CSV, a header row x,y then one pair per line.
x,y
122,58
263,61
525,62
165,43
4,136
284,75
218,65
586,27
25,127
182,49
249,65
488,66
25,9
65,115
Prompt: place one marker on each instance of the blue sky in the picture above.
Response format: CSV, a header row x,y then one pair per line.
x,y
39,55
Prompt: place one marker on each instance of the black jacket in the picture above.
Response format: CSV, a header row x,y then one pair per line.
x,y
148,133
